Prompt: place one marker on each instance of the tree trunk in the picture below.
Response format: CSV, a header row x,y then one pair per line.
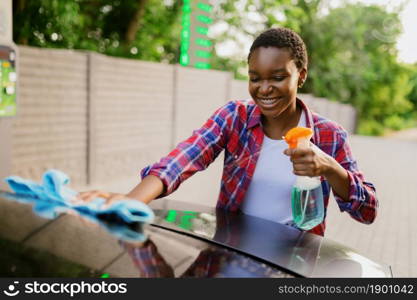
x,y
18,8
133,26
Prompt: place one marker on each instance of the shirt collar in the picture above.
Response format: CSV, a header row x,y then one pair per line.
x,y
255,116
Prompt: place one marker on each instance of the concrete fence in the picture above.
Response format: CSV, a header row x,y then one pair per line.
x,y
102,119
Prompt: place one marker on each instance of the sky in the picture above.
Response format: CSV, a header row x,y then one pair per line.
x,y
406,45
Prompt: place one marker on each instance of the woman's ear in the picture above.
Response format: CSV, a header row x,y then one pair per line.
x,y
302,77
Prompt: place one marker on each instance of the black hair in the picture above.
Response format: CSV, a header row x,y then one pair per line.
x,y
283,38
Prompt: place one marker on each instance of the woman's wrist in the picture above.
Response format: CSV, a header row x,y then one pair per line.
x,y
331,167
338,178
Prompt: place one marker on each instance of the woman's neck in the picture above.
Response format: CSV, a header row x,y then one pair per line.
x,y
277,127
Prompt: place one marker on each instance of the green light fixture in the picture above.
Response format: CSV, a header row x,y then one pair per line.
x,y
196,47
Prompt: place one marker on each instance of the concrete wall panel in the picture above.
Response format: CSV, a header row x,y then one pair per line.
x,y
50,130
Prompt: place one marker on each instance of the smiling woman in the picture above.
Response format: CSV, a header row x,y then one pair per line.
x,y
258,170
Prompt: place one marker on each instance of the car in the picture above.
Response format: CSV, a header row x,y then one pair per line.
x,y
184,240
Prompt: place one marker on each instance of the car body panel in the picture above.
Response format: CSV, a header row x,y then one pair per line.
x,y
300,252
191,240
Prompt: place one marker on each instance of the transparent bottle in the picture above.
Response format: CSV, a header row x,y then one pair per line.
x,y
307,202
306,195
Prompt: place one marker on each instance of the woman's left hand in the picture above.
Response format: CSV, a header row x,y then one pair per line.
x,y
310,161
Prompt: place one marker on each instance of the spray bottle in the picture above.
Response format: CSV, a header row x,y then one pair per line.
x,y
306,194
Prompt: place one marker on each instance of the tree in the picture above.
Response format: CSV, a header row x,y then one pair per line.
x,y
412,96
143,29
354,60
352,54
242,21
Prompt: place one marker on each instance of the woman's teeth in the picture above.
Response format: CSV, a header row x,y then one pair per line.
x,y
267,101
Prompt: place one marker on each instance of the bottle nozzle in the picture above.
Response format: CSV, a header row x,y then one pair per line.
x,y
298,136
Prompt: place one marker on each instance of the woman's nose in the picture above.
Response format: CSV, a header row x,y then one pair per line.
x,y
265,88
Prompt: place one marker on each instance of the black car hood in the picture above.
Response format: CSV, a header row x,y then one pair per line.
x,y
271,244
297,251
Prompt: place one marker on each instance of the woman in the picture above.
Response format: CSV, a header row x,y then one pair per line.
x,y
258,169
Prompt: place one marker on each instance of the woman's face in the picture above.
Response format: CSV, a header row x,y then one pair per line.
x,y
273,80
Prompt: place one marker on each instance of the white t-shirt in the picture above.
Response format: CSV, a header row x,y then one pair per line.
x,y
269,193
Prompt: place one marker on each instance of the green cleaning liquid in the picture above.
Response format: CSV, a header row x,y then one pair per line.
x,y
306,194
307,206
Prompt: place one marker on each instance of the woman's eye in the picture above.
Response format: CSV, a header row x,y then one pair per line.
x,y
254,79
279,78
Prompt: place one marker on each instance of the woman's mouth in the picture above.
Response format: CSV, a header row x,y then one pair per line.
x,y
267,101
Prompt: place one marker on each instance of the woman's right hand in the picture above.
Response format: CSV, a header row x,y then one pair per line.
x,y
88,196
147,190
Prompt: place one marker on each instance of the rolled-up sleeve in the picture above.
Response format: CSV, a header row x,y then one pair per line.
x,y
362,204
194,154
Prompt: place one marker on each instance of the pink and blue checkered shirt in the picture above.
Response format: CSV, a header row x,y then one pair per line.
x,y
236,128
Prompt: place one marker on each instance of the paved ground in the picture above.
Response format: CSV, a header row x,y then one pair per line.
x,y
407,134
391,164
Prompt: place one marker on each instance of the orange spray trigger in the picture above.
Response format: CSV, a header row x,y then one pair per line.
x,y
296,133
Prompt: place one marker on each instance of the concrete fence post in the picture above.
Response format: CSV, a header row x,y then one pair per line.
x,y
174,105
91,120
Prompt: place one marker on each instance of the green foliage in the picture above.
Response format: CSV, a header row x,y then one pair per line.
x,y
354,60
370,127
47,23
352,56
246,18
101,26
412,96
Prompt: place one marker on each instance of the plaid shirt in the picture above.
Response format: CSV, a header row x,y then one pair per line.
x,y
236,127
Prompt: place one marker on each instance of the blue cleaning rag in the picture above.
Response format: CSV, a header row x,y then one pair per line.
x,y
124,218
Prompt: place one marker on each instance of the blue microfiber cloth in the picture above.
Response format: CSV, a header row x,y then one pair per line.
x,y
124,218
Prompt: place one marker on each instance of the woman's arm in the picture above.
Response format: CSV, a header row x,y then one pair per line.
x,y
190,156
362,202
195,153
338,178
147,190
352,193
